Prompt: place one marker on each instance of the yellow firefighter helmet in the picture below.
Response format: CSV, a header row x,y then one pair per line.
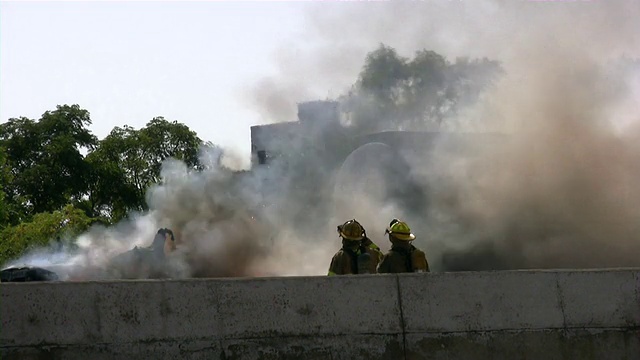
x,y
400,230
351,230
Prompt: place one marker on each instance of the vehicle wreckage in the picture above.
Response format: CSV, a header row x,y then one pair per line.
x,y
27,273
140,262
144,262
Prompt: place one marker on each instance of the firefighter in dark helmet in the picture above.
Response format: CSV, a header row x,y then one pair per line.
x,y
403,256
358,255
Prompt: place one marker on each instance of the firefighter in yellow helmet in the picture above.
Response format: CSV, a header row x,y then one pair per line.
x,y
358,255
366,242
403,256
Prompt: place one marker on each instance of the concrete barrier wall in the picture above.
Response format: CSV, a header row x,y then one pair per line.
x,y
484,315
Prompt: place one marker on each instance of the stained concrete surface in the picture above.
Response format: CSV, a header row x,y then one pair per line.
x,y
471,315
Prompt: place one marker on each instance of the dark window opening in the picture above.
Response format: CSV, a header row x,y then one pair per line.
x,y
262,157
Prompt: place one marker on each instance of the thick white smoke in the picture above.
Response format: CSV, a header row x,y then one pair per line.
x,y
556,191
559,192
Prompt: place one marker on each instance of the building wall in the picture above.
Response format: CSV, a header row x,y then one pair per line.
x,y
484,315
275,140
289,139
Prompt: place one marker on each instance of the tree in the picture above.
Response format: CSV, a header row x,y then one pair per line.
x,y
425,90
43,228
161,139
45,160
128,161
375,95
383,71
468,78
112,191
19,138
395,93
48,188
4,180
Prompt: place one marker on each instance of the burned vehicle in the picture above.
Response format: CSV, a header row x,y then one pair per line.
x,y
27,274
145,262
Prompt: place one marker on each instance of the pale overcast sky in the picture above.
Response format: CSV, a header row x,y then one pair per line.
x,y
222,66
127,62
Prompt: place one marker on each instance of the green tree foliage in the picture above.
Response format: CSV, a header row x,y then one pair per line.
x,y
4,180
45,159
128,161
48,188
45,167
383,73
396,93
114,165
43,228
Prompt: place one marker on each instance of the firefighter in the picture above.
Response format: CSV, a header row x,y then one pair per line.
x,y
370,244
358,254
403,256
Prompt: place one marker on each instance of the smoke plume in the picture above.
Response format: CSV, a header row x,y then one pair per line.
x,y
558,190
555,190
